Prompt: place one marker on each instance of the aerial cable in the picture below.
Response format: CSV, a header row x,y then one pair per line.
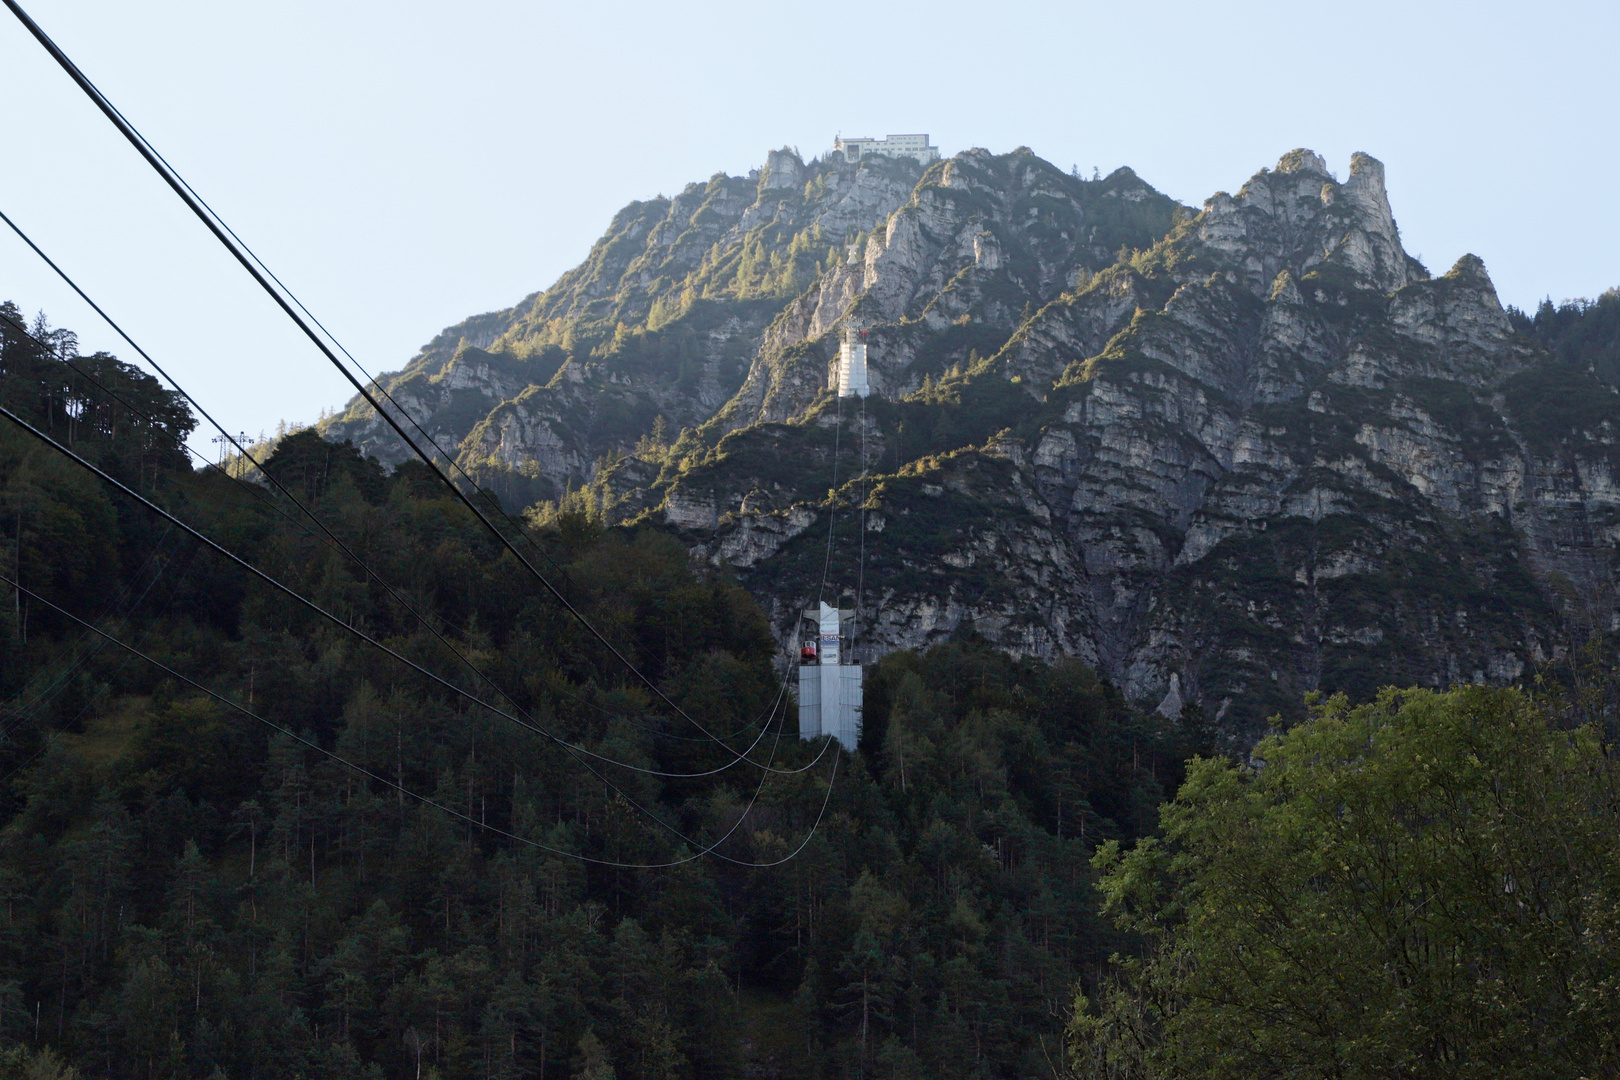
x,y
171,177
113,394
832,501
259,493
572,748
449,458
860,573
579,753
331,538
423,799
376,383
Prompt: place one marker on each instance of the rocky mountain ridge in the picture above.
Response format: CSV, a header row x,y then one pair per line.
x,y
1227,456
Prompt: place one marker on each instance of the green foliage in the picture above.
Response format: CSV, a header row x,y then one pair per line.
x,y
1582,333
187,896
1427,885
21,1063
307,465
1574,397
123,417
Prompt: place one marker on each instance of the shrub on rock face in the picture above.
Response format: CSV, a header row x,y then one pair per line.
x,y
1425,885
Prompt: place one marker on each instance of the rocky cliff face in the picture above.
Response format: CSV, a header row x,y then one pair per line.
x,y
1252,451
715,307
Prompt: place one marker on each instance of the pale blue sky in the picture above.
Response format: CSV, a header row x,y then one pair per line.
x,y
404,165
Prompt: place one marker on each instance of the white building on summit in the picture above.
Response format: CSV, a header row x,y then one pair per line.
x,y
914,147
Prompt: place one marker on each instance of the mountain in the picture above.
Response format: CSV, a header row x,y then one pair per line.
x,y
690,308
1226,456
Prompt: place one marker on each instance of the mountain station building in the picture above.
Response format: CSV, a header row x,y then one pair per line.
x,y
914,147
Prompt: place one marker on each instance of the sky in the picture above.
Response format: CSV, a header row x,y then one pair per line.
x,y
404,165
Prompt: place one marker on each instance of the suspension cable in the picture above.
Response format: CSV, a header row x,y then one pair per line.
x,y
860,572
171,177
572,748
579,753
331,538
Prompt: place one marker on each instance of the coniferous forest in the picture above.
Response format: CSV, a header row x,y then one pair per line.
x,y
408,817
372,875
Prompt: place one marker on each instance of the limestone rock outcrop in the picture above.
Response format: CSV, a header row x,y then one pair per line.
x,y
1228,456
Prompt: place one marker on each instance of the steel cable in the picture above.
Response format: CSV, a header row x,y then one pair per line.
x,y
333,539
326,536
574,751
354,630
171,177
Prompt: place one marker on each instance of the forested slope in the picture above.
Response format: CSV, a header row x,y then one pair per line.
x,y
423,888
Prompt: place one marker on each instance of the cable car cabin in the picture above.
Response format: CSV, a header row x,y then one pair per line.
x,y
829,691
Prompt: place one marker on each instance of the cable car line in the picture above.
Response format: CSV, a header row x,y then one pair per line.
x,y
172,178
860,573
328,538
579,753
572,748
425,800
374,381
331,538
